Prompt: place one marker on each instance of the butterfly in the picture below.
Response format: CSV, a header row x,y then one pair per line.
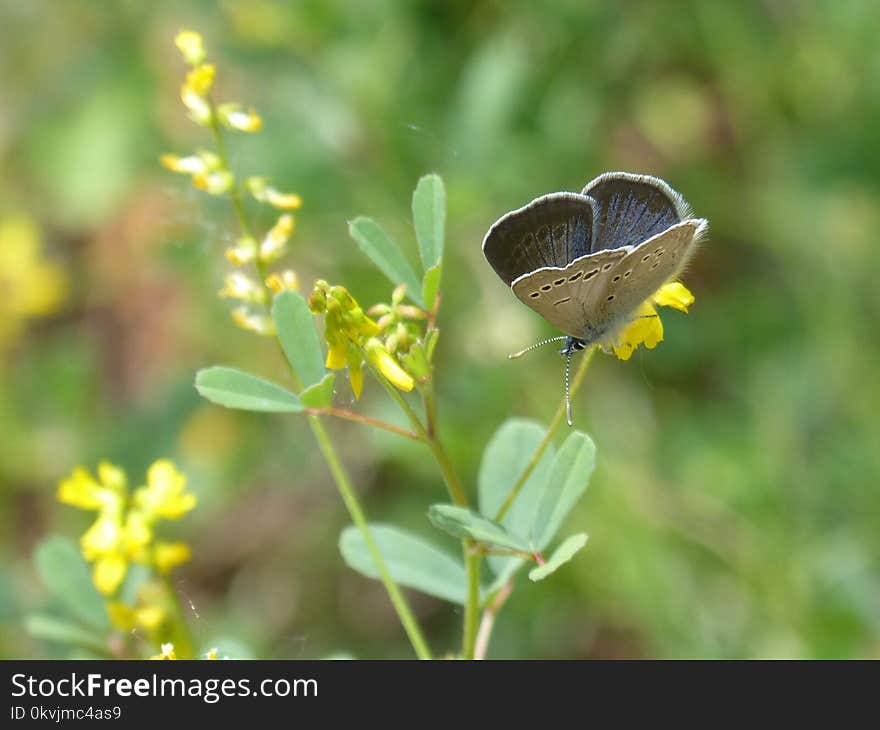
x,y
586,262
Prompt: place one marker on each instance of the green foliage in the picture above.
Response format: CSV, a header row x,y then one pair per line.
x,y
295,326
386,255
411,561
565,552
567,481
429,219
320,394
462,522
67,577
235,389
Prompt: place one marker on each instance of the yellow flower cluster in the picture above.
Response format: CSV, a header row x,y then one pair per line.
x,y
123,532
32,286
647,328
209,171
351,335
166,652
403,328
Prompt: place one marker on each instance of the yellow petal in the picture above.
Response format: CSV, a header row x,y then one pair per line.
x,y
111,476
108,573
236,118
355,372
285,201
168,555
388,366
282,281
645,329
103,537
674,294
337,356
253,322
191,46
164,495
121,615
167,652
81,490
136,534
150,617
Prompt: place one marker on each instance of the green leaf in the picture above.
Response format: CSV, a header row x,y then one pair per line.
x,y
383,252
319,395
431,286
568,480
235,389
410,560
68,578
463,522
429,218
565,552
299,338
507,455
49,628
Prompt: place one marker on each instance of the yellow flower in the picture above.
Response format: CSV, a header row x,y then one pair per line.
x,y
646,328
262,191
191,165
274,244
234,117
123,530
346,329
252,321
32,286
168,555
164,495
191,46
211,653
194,93
126,618
280,281
167,652
674,294
388,365
244,252
217,182
238,285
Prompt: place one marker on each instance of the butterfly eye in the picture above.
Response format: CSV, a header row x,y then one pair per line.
x,y
627,274
591,274
535,294
546,287
607,267
645,257
575,277
559,282
610,298
616,278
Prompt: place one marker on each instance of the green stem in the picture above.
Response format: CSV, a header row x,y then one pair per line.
x,y
548,437
456,491
472,604
340,476
400,604
472,556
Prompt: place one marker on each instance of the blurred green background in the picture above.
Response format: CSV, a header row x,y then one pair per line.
x,y
734,511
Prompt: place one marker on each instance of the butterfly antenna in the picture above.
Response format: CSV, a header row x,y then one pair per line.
x,y
535,346
567,392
